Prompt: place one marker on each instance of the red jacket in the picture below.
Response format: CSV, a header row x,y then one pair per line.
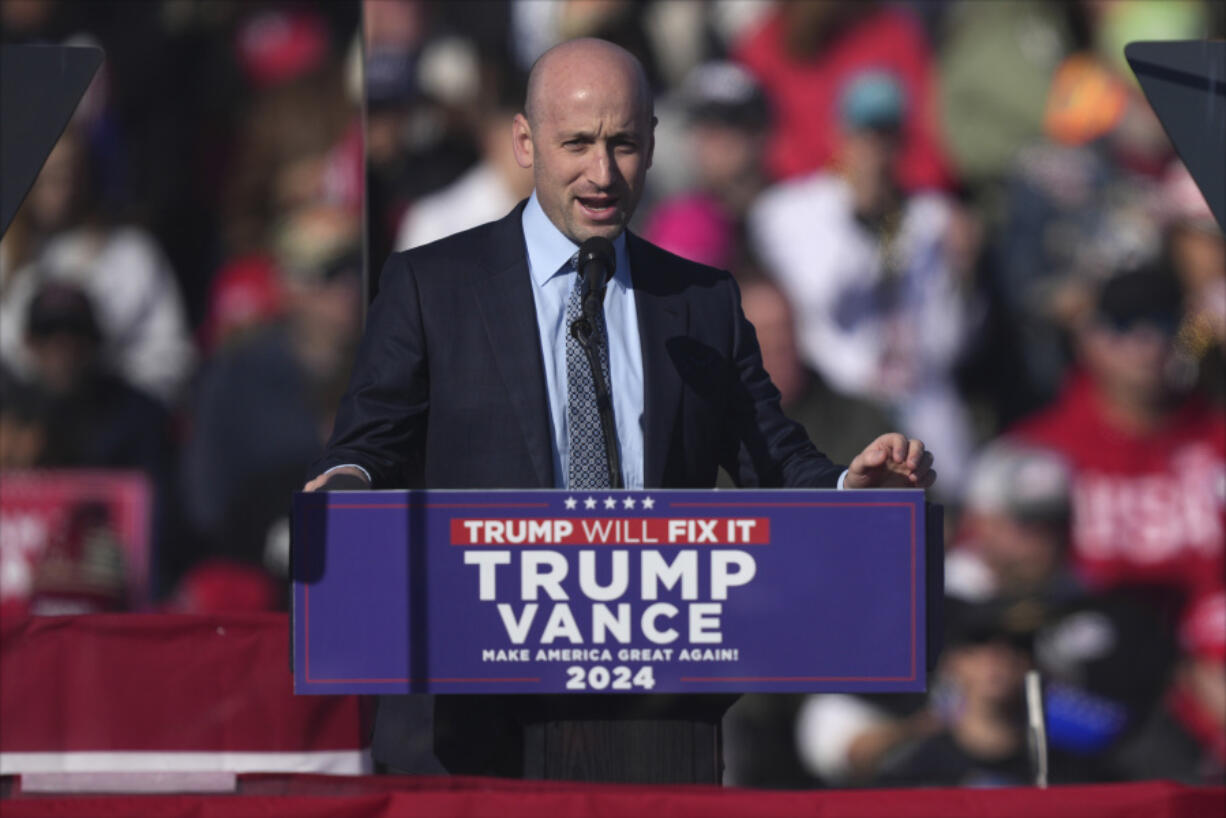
x,y
805,94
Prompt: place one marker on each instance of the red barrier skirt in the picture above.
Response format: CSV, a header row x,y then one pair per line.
x,y
367,797
169,694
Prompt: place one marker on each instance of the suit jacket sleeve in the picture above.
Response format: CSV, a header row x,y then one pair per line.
x,y
381,422
771,451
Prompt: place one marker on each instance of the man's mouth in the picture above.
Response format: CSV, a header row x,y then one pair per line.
x,y
598,208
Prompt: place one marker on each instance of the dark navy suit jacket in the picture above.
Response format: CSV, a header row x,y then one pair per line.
x,y
448,389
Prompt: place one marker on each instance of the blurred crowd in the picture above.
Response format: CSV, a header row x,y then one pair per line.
x,y
958,219
181,291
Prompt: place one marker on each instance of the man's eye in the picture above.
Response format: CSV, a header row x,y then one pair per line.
x,y
626,147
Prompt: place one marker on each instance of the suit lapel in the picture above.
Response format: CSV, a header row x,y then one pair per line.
x,y
508,314
662,315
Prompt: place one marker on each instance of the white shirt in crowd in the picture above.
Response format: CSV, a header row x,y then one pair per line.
x,y
477,197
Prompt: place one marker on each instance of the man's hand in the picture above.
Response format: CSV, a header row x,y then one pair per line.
x,y
319,481
891,462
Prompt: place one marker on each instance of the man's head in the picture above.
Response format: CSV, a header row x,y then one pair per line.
x,y
1128,340
729,123
1016,514
587,132
63,337
872,105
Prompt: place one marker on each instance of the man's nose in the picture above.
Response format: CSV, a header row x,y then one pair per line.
x,y
602,171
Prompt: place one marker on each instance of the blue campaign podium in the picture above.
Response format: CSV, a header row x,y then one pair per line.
x,y
596,598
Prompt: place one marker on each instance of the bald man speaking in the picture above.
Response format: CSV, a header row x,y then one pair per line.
x,y
469,376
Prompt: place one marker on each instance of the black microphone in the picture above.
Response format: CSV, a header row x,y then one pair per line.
x,y
595,264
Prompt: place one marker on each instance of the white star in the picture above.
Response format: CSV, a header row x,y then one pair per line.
x,y
628,502
648,503
589,502
570,503
609,502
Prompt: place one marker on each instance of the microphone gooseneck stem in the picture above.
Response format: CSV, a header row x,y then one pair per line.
x,y
583,329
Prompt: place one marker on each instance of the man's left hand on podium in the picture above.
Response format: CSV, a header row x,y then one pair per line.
x,y
891,462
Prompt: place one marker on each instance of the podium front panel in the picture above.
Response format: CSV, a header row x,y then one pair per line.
x,y
608,592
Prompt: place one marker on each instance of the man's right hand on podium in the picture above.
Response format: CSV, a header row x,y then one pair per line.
x,y
345,478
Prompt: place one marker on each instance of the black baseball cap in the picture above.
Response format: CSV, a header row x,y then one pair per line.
x,y
725,93
1144,296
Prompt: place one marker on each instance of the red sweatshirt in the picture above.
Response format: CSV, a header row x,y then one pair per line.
x,y
1146,508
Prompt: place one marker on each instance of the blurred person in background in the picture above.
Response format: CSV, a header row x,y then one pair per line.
x,y
974,732
1012,538
1148,462
92,418
725,143
969,731
1102,661
60,234
1078,203
490,188
875,276
1185,739
804,54
263,407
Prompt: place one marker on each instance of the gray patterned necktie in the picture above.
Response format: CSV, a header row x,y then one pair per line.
x,y
588,463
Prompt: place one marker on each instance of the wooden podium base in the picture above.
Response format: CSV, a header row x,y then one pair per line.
x,y
627,739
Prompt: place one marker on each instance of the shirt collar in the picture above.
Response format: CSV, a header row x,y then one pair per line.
x,y
549,249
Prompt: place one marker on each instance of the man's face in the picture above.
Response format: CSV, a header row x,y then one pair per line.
x,y
1130,361
867,159
726,155
589,150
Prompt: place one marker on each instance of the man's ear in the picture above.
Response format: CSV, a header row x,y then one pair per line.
x,y
521,141
651,141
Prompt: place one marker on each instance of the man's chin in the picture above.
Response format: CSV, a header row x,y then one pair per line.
x,y
584,230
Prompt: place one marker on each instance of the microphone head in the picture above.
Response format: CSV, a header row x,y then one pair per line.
x,y
597,252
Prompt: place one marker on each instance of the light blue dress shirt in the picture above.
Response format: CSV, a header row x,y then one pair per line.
x,y
549,254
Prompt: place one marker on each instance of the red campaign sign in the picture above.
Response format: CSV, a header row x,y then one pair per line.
x,y
76,533
606,531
